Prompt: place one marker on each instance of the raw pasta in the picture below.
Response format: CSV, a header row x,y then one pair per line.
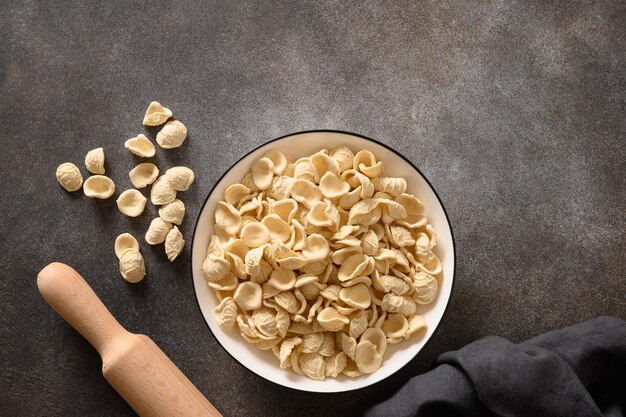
x,y
322,260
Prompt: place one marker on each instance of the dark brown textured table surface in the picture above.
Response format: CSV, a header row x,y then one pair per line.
x,y
514,110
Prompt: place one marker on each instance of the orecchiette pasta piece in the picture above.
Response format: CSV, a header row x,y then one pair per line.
x,y
286,347
226,283
343,156
369,243
278,159
351,198
268,344
399,236
285,209
288,301
320,215
294,361
282,321
367,188
131,203
143,175
173,212
132,266
344,231
433,267
162,191
330,319
313,366
215,247
226,313
423,251
237,247
311,291
332,186
341,255
172,135
237,265
366,357
377,337
392,210
324,163
248,295
271,292
316,247
289,169
255,234
389,185
424,288
174,244
157,231
265,321
99,186
248,181
342,308
305,279
353,266
141,146
415,323
227,217
180,178
331,292
278,228
311,342
327,348
358,280
347,344
214,268
282,279
335,364
253,261
94,161
365,162
357,296
235,192
264,273
294,261
249,330
125,242
358,325
395,326
402,304
365,212
304,170
315,267
280,188
68,175
351,370
412,204
305,192
390,283
262,173
156,114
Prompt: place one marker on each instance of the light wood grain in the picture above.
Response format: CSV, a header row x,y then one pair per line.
x,y
132,363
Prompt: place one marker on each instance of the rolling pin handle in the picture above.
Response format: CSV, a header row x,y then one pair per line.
x,y
74,300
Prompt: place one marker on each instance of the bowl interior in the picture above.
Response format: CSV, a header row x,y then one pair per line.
x,y
264,363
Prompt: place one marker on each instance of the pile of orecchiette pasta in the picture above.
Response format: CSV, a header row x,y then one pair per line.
x,y
322,260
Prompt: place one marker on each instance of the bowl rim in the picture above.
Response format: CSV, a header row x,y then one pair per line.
x,y
217,181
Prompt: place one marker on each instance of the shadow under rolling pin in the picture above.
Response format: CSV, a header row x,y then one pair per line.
x,y
132,363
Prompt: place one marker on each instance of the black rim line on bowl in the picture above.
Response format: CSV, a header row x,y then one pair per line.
x,y
206,200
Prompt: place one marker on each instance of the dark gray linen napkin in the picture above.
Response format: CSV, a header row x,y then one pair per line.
x,y
575,371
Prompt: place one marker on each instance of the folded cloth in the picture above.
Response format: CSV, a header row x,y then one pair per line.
x,y
576,371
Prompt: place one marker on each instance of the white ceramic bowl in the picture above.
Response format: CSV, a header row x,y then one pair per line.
x,y
264,363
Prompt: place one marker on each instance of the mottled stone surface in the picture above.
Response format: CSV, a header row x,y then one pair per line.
x,y
514,111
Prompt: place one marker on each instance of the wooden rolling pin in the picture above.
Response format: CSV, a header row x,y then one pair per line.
x,y
132,363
